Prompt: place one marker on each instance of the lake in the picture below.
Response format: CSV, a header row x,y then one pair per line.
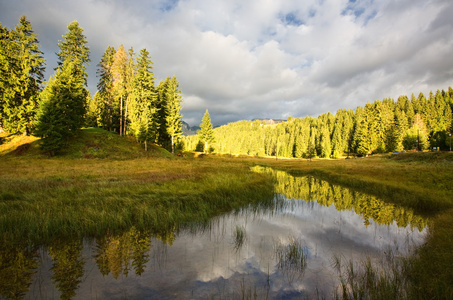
x,y
286,251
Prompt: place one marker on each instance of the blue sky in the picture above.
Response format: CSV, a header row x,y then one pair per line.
x,y
263,58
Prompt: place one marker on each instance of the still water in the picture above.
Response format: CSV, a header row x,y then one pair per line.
x,y
281,252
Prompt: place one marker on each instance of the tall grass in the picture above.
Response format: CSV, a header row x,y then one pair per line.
x,y
385,279
41,199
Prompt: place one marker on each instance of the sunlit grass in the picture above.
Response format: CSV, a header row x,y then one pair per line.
x,y
106,183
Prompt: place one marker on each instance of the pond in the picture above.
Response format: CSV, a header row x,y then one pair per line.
x,y
287,251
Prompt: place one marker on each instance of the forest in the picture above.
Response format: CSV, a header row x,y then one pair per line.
x,y
415,123
127,100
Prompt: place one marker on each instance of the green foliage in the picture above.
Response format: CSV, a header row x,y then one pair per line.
x,y
73,49
61,110
106,114
379,127
172,100
206,132
143,115
21,76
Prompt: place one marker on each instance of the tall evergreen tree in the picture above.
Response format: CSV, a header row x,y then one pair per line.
x,y
73,48
130,81
173,101
143,114
61,109
206,132
104,97
417,135
21,76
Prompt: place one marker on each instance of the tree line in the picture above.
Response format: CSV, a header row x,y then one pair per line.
x,y
127,100
415,123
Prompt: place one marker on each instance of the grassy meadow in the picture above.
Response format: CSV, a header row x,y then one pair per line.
x,y
106,183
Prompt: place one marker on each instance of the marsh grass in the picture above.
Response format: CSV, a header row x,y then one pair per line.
x,y
239,237
291,258
386,278
45,198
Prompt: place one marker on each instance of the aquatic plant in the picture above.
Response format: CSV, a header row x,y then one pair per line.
x,y
239,236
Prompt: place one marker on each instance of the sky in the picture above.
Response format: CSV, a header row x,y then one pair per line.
x,y
250,59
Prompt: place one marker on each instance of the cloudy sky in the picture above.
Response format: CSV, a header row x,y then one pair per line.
x,y
263,58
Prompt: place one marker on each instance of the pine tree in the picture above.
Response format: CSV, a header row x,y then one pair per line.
x,y
130,78
22,73
416,136
104,97
143,114
361,141
73,48
61,109
173,101
206,132
163,138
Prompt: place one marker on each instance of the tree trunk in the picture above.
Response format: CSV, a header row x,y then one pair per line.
x,y
121,115
125,116
172,145
146,146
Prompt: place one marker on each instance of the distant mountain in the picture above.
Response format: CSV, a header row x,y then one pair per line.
x,y
269,121
189,130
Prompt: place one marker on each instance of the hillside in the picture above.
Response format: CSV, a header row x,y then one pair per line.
x,y
90,143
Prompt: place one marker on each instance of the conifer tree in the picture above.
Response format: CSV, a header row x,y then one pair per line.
x,y
104,97
417,135
206,132
73,48
173,101
61,109
130,78
143,114
21,76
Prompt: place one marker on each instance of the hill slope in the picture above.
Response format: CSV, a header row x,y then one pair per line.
x,y
90,143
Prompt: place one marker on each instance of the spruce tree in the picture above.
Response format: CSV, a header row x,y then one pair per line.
x,y
206,133
143,113
61,109
21,76
104,97
73,48
173,101
163,138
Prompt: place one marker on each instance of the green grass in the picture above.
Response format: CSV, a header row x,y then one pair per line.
x,y
80,194
103,182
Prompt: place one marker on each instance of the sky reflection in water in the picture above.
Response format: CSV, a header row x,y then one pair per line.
x,y
209,261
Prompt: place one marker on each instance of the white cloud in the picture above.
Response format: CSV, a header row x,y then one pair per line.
x,y
246,59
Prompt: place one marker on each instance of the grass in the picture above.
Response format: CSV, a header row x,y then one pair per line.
x,y
104,182
384,279
239,236
45,198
